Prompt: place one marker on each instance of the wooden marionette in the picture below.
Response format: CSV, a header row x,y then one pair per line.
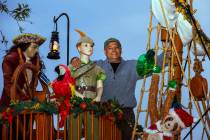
x,y
198,84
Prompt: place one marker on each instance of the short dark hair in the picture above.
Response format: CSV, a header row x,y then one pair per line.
x,y
106,43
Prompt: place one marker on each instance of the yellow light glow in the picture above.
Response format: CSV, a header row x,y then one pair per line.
x,y
55,46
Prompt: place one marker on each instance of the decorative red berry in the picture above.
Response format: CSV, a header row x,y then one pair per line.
x,y
83,105
111,117
120,115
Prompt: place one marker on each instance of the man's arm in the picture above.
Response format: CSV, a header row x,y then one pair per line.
x,y
160,59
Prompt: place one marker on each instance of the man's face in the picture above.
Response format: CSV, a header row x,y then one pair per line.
x,y
113,51
32,50
85,49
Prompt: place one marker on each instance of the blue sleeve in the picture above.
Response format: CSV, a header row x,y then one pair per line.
x,y
133,66
99,63
160,59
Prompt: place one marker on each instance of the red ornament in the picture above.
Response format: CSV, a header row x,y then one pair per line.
x,y
83,105
119,115
111,117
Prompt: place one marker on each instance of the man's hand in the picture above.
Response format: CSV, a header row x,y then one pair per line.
x,y
75,62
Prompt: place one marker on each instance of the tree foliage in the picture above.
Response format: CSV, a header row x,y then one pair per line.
x,y
20,14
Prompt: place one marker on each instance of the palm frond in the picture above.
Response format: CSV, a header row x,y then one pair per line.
x,y
21,12
3,7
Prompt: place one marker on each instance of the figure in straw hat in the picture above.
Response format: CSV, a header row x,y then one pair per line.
x,y
25,49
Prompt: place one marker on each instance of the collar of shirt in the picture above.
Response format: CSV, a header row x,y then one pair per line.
x,y
122,61
83,63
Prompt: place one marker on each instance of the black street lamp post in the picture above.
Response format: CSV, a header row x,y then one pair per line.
x,y
54,42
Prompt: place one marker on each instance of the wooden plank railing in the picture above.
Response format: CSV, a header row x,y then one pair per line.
x,y
40,126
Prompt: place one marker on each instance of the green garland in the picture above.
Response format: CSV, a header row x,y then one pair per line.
x,y
111,109
17,107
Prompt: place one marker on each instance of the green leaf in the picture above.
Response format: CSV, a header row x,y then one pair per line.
x,y
21,12
3,7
